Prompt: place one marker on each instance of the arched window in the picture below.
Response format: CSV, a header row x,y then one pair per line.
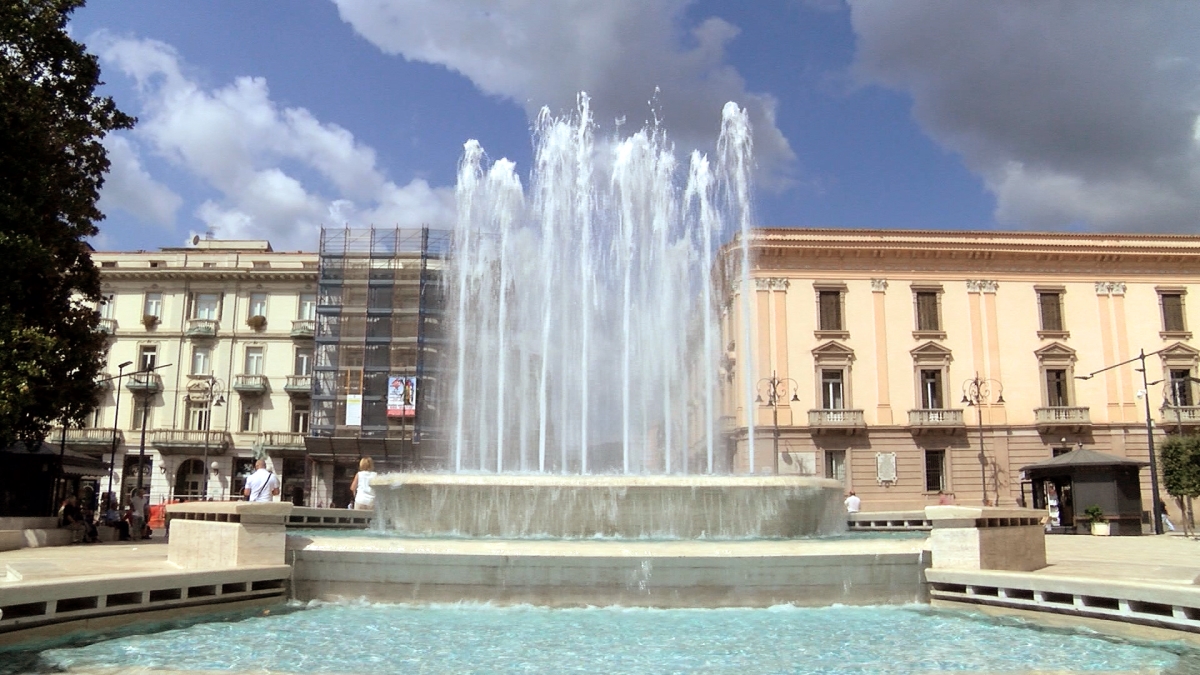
x,y
188,479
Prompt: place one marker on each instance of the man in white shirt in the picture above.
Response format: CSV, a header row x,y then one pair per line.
x,y
853,503
262,485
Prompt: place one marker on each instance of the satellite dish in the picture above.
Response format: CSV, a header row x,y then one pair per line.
x,y
195,240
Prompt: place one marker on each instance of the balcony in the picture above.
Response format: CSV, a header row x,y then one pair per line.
x,y
250,385
304,329
1060,418
201,328
95,442
845,421
281,442
1180,416
935,419
107,326
190,441
144,383
298,385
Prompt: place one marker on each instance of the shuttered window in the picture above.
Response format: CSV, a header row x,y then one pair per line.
x,y
831,310
1056,389
1051,304
935,470
927,311
1172,312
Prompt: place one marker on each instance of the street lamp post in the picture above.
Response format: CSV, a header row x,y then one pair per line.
x,y
977,392
145,416
1156,513
214,390
776,389
112,464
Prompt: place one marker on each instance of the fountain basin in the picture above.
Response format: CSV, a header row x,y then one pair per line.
x,y
517,506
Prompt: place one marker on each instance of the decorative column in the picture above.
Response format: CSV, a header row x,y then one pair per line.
x,y
883,409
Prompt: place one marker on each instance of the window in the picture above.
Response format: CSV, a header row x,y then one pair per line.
x,y
304,359
261,265
300,418
258,304
1181,387
254,361
935,470
207,306
835,465
831,390
153,305
249,418
156,263
1050,304
928,311
1056,388
829,304
107,306
198,415
108,263
147,357
201,360
931,389
1172,312
141,408
308,307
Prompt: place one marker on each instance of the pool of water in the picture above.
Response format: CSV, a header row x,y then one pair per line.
x,y
387,534
383,639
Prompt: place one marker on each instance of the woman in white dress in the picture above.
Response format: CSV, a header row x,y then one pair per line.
x,y
364,494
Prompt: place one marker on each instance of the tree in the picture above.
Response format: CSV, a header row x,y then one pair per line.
x,y
52,166
1181,474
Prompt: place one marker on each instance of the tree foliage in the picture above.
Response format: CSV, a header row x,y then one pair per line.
x,y
52,165
1181,473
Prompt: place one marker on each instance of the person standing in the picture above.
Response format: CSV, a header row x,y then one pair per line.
x,y
364,494
262,485
853,503
137,519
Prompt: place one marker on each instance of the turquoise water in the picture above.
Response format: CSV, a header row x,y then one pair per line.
x,y
383,639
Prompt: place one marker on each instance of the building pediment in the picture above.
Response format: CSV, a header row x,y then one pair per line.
x,y
1055,351
930,350
833,350
1180,351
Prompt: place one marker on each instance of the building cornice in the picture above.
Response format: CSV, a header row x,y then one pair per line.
x,y
180,274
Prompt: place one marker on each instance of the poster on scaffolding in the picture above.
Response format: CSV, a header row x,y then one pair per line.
x,y
353,410
402,396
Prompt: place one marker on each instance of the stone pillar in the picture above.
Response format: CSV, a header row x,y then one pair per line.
x,y
986,538
214,535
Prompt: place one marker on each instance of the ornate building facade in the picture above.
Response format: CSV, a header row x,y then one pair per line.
x,y
909,364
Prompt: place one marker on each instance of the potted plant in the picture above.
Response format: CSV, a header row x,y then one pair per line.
x,y
257,322
1095,516
149,321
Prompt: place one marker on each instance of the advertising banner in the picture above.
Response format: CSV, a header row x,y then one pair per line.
x,y
402,396
354,410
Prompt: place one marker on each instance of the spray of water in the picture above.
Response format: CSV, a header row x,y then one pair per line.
x,y
584,318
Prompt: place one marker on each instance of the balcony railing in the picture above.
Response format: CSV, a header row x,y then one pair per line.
x,y
935,418
1055,417
1182,415
144,383
250,384
107,326
281,440
304,328
94,441
840,420
190,441
201,328
298,385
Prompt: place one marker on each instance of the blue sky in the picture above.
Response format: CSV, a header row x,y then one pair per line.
x,y
269,119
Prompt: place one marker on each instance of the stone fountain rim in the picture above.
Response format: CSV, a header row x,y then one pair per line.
x,y
602,480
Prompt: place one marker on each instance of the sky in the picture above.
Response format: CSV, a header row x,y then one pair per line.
x,y
272,119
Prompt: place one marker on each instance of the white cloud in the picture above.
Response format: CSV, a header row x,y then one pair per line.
x,y
128,186
1070,112
255,154
618,51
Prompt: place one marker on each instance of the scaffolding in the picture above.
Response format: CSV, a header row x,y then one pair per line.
x,y
379,327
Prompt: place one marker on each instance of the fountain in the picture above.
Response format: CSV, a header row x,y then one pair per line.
x,y
584,357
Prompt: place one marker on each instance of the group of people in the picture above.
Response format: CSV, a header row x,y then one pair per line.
x,y
85,522
263,485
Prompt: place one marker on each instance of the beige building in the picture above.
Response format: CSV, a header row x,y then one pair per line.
x,y
218,338
908,363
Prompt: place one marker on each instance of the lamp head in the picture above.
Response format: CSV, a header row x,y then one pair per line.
x,y
1000,399
125,365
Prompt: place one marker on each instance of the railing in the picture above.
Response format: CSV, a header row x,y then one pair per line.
x,y
281,439
304,328
935,418
166,440
1182,414
250,384
1062,415
201,328
298,384
90,437
838,419
107,326
148,383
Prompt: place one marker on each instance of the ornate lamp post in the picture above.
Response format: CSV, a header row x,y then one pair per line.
x,y
977,392
215,400
112,463
145,419
776,389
